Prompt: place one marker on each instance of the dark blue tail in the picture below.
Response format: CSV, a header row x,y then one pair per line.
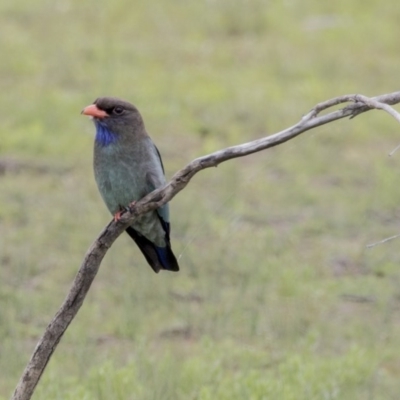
x,y
157,257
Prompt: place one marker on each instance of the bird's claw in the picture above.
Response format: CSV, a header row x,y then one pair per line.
x,y
118,215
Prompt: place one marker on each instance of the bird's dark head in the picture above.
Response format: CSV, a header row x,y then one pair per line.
x,y
114,119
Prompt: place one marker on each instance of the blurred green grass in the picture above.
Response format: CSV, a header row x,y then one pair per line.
x,y
278,296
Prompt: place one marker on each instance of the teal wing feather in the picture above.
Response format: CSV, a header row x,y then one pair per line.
x,y
153,183
157,257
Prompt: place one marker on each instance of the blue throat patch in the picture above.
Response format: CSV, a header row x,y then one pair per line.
x,y
104,136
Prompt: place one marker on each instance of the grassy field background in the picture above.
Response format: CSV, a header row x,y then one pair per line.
x,y
278,297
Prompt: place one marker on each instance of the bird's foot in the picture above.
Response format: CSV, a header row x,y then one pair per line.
x,y
117,215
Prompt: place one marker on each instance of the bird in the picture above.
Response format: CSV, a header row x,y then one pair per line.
x,y
127,166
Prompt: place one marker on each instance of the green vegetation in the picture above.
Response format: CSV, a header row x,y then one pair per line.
x,y
278,298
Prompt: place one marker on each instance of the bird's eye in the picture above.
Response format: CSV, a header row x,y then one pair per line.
x,y
118,110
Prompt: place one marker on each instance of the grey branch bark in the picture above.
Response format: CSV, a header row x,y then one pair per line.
x,y
91,263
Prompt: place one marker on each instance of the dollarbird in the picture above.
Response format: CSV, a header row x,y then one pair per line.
x,y
127,166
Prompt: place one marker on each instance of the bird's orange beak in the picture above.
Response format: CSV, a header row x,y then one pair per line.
x,y
94,111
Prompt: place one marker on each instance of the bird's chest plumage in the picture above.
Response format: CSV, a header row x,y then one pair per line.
x,y
119,175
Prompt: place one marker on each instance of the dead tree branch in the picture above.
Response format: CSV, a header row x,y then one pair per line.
x,y
91,263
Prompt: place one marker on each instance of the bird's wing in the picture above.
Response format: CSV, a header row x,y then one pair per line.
x,y
159,157
154,180
158,257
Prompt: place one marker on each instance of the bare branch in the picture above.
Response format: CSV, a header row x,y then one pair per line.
x,y
91,263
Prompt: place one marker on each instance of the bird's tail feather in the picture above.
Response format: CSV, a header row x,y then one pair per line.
x,y
157,257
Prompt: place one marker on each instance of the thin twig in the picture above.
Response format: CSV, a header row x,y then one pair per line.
x,y
394,150
91,263
368,246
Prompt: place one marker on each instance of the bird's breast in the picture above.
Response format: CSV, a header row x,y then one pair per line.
x,y
118,177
